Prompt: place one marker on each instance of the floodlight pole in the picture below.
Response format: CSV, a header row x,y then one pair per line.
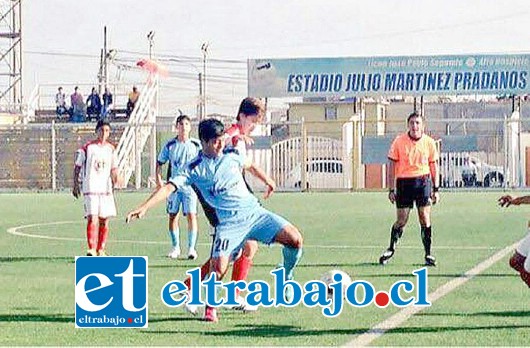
x,y
204,49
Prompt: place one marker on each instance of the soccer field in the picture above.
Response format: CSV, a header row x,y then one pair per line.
x,y
41,234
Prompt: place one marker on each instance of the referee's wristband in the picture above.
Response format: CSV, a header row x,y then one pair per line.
x,y
436,189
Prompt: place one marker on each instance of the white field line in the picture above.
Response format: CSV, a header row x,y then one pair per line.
x,y
403,315
17,231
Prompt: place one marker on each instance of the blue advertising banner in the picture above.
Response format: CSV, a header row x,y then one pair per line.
x,y
377,76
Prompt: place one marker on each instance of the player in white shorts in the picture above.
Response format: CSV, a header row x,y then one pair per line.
x,y
96,169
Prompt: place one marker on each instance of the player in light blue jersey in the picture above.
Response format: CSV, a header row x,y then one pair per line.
x,y
230,207
178,152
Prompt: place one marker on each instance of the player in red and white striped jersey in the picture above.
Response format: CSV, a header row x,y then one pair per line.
x,y
96,168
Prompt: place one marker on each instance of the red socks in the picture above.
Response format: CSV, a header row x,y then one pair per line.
x,y
103,233
96,235
241,268
92,234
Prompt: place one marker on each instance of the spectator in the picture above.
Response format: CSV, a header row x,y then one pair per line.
x,y
93,103
60,103
107,103
133,98
77,109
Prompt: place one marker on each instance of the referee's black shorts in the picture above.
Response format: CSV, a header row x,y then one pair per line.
x,y
410,190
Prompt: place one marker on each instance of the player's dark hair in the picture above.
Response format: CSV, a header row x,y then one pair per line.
x,y
102,123
210,129
414,115
182,118
251,106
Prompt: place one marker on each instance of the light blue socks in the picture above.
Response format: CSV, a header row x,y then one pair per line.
x,y
175,238
192,240
291,257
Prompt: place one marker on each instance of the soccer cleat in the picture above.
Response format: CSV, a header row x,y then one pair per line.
x,y
289,294
102,253
525,276
174,253
243,306
430,260
517,262
210,315
192,309
192,254
387,255
91,252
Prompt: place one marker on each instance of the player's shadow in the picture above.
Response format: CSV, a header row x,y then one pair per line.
x,y
280,331
305,265
67,259
514,314
175,319
51,318
439,275
439,329
175,265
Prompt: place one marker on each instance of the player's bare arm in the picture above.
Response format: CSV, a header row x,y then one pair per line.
x,y
117,180
156,197
391,181
434,170
263,177
76,190
159,181
507,200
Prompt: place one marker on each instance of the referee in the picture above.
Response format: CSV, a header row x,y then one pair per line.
x,y
413,178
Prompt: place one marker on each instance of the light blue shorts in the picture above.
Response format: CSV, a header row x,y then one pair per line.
x,y
230,236
188,200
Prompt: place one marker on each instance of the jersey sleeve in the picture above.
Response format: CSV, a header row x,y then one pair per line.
x,y
242,160
393,152
163,156
197,144
182,178
114,160
433,151
80,158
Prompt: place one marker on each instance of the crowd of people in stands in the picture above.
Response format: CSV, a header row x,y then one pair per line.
x,y
95,108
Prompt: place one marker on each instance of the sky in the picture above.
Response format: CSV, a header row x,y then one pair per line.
x,y
62,39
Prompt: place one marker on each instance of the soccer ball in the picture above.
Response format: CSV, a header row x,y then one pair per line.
x,y
329,278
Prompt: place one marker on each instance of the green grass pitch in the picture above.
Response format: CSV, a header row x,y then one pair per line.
x,y
342,231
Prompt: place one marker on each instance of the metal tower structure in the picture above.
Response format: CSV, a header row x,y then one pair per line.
x,y
11,55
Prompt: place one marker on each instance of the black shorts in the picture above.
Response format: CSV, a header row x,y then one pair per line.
x,y
412,190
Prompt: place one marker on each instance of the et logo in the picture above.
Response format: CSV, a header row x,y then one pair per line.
x,y
111,292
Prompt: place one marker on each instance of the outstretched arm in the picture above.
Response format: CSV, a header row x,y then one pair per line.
x,y
507,200
157,196
159,180
263,177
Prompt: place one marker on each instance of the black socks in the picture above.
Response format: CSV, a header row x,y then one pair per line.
x,y
426,238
